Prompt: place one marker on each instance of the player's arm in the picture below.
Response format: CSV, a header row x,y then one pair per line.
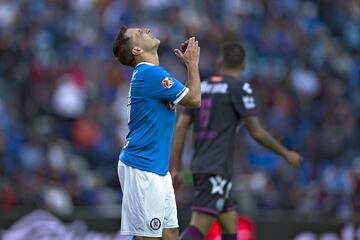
x,y
182,126
189,54
263,137
244,102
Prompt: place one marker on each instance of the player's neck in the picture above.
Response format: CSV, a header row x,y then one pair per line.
x,y
149,57
230,72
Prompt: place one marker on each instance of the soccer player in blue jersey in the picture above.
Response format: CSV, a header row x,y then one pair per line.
x,y
225,102
148,205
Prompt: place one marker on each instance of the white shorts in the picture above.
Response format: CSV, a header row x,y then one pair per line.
x,y
148,204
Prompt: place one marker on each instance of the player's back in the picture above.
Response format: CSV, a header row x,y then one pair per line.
x,y
224,101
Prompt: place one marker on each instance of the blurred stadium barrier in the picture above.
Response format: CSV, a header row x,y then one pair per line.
x,y
41,224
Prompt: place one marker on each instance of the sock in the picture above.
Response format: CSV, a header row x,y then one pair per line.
x,y
229,236
191,233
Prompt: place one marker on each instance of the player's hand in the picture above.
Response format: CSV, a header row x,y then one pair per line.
x,y
176,179
189,52
183,46
294,158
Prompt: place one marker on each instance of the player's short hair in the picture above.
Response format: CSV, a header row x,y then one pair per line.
x,y
233,54
122,48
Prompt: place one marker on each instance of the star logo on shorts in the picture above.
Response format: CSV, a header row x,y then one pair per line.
x,y
155,224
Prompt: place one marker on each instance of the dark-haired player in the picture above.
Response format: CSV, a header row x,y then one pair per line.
x,y
225,101
148,205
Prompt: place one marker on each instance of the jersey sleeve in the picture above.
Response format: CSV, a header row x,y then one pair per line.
x,y
243,99
162,85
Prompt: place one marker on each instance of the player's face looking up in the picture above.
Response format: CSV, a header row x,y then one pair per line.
x,y
142,40
132,42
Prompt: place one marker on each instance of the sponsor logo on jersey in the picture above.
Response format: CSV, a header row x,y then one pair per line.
x,y
167,82
155,224
207,87
247,88
249,102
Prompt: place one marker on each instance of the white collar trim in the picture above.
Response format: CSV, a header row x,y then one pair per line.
x,y
151,64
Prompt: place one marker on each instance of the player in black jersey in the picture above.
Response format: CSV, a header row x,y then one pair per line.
x,y
225,101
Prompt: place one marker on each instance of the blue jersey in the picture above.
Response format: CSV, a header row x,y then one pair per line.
x,y
153,95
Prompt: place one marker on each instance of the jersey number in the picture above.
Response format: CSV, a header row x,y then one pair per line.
x,y
205,112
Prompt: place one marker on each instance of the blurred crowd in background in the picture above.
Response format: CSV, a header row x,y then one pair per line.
x,y
63,117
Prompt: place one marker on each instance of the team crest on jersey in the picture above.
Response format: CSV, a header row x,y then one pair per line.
x,y
155,224
167,82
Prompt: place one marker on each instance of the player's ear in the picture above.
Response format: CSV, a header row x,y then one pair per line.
x,y
136,51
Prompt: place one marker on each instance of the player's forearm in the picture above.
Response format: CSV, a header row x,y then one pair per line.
x,y
177,147
176,157
193,83
268,141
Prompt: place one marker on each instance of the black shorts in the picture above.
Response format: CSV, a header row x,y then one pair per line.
x,y
212,194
